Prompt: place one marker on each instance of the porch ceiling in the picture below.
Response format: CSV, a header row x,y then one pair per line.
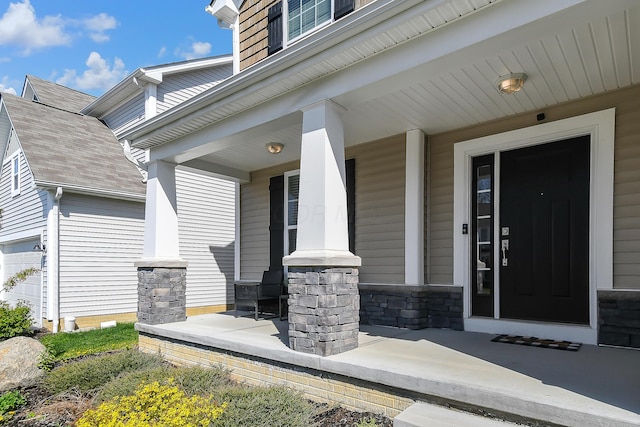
x,y
411,72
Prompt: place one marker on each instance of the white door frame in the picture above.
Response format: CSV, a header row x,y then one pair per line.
x,y
601,127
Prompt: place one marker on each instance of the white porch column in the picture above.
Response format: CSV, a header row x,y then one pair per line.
x,y
161,213
162,274
323,279
414,208
323,238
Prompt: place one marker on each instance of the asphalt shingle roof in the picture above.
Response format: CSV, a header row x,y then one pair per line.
x,y
71,149
59,96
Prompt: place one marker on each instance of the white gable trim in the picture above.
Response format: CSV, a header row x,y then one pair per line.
x,y
601,127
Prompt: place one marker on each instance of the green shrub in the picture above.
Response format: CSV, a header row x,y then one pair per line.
x,y
90,374
154,405
191,380
368,422
14,321
9,402
264,407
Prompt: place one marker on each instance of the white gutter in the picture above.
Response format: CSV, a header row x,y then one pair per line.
x,y
256,76
90,191
129,85
126,147
53,259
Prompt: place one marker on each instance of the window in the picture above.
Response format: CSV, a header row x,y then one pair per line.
x,y
292,188
15,175
290,19
305,15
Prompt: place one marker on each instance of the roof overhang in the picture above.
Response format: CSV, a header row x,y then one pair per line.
x,y
397,65
90,191
132,84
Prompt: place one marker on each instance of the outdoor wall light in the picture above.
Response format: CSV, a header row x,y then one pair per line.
x,y
39,247
274,147
511,83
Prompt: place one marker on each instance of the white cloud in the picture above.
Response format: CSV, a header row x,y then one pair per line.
x,y
4,86
99,74
98,25
19,26
198,50
162,52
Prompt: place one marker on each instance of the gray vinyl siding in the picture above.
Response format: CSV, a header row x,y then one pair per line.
x,y
5,128
15,258
380,182
626,204
26,211
254,221
178,88
380,172
127,115
100,239
206,220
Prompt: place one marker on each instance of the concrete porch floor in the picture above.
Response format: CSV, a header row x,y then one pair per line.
x,y
595,386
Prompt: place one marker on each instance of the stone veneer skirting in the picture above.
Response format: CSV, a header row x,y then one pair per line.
x,y
619,318
411,307
162,294
323,309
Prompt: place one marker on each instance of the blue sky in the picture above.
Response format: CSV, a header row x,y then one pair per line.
x,y
91,45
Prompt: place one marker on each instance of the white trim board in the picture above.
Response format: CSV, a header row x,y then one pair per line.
x,y
601,127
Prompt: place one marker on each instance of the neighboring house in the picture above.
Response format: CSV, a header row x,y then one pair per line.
x,y
73,205
472,209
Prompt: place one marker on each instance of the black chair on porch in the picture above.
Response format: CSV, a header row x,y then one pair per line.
x,y
261,296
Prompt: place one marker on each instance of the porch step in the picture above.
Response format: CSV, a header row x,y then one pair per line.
x,y
426,415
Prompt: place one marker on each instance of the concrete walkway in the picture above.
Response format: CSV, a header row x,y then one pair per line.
x,y
595,386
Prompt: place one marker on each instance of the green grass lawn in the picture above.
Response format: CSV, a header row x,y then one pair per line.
x,y
64,346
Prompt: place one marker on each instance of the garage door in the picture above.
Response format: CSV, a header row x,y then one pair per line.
x,y
17,257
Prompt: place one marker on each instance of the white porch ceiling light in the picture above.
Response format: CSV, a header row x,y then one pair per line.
x,y
511,83
274,147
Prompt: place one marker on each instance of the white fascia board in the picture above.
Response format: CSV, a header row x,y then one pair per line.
x,y
23,235
127,87
91,191
225,10
218,171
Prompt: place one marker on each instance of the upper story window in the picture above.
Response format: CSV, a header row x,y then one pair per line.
x,y
15,175
290,19
305,15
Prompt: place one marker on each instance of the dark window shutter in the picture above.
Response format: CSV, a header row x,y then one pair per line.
x,y
275,28
350,169
276,222
343,7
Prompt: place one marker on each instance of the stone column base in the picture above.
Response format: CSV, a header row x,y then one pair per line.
x,y
162,294
323,310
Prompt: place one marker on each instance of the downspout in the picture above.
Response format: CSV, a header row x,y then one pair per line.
x,y
53,259
142,168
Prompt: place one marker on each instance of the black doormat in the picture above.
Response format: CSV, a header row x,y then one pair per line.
x,y
537,342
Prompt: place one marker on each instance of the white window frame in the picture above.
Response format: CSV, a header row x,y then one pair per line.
x,y
287,226
285,22
14,161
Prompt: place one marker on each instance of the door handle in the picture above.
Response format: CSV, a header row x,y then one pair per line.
x,y
504,247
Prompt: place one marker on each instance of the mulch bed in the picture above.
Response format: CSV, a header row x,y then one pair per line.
x,y
42,411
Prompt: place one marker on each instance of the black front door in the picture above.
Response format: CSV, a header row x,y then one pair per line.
x,y
544,232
